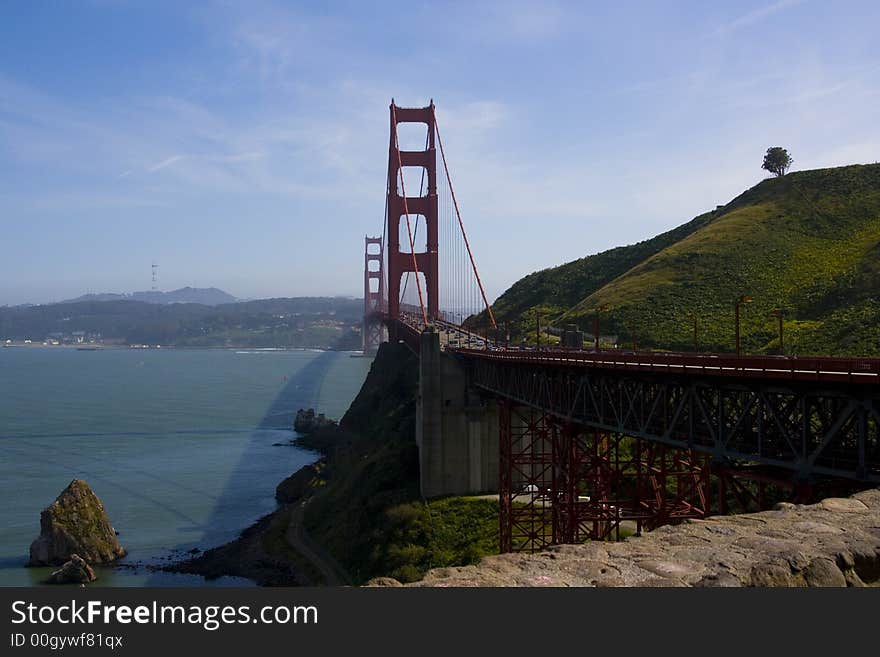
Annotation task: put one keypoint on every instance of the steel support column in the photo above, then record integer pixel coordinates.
(527, 479)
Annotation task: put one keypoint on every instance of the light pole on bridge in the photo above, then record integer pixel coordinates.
(599, 309)
(740, 300)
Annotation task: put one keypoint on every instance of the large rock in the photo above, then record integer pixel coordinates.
(383, 581)
(75, 571)
(75, 523)
(307, 421)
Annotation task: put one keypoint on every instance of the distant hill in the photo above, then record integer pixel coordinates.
(208, 296)
(282, 322)
(808, 242)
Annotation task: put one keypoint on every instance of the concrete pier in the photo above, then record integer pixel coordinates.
(456, 427)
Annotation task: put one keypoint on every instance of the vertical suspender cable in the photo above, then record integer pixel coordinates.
(383, 301)
(457, 214)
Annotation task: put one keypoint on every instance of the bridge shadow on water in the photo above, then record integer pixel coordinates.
(302, 390)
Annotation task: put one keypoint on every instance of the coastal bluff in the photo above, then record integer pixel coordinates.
(307, 421)
(833, 543)
(75, 524)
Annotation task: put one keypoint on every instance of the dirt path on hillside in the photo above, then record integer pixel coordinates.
(298, 538)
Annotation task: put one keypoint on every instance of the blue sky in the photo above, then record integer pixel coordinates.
(244, 144)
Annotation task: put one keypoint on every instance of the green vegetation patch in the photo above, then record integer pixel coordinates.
(415, 537)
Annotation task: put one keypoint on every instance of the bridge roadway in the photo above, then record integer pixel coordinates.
(848, 370)
(812, 416)
(858, 371)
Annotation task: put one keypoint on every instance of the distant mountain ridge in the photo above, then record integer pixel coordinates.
(207, 296)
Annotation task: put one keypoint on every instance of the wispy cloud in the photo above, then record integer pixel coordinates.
(755, 16)
(88, 200)
(530, 21)
(167, 162)
(508, 21)
(240, 157)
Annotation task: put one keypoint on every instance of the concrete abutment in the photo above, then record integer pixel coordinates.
(456, 427)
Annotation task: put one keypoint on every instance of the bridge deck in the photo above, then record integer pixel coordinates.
(865, 371)
(814, 416)
(859, 371)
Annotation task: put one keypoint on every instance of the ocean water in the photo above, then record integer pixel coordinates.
(180, 445)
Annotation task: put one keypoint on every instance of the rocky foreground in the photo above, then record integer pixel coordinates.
(833, 543)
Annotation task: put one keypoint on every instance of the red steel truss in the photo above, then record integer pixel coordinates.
(527, 479)
(561, 483)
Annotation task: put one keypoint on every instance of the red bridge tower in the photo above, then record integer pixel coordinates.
(374, 294)
(403, 207)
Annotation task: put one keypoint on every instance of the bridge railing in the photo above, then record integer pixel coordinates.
(407, 331)
(848, 370)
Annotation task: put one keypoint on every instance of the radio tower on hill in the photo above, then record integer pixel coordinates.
(155, 275)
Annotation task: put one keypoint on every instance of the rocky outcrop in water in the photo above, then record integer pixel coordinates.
(307, 421)
(833, 543)
(75, 524)
(75, 571)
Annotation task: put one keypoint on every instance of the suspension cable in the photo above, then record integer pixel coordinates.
(458, 214)
(383, 300)
(412, 247)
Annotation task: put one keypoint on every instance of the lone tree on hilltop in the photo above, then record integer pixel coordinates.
(777, 160)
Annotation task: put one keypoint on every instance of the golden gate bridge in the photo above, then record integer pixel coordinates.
(588, 439)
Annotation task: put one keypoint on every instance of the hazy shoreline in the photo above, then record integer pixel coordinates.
(125, 347)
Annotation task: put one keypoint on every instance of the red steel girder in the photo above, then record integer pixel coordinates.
(562, 483)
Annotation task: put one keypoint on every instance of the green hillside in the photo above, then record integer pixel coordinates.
(559, 288)
(808, 242)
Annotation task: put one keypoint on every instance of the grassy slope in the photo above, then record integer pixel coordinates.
(807, 242)
(369, 514)
(552, 291)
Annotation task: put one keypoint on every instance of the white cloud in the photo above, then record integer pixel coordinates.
(519, 21)
(167, 162)
(755, 16)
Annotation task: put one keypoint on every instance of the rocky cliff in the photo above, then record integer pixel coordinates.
(306, 421)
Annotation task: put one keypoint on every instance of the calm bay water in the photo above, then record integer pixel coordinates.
(178, 444)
